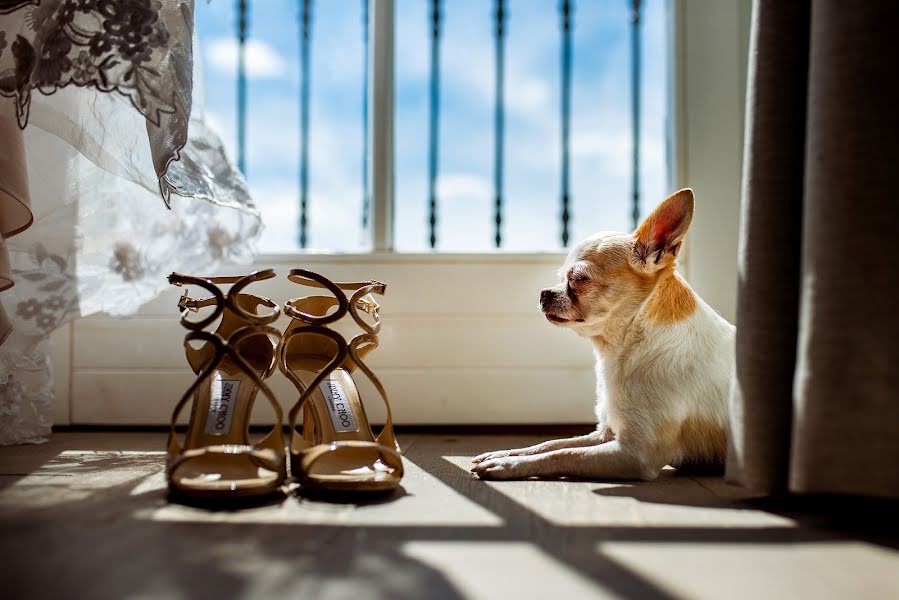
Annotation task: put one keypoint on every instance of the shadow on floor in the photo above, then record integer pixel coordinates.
(94, 530)
(662, 491)
(829, 516)
(352, 498)
(104, 541)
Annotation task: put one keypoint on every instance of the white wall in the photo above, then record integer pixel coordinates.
(711, 47)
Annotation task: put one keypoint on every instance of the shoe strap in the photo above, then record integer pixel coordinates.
(228, 349)
(268, 458)
(386, 436)
(306, 391)
(220, 300)
(369, 341)
(313, 309)
(390, 455)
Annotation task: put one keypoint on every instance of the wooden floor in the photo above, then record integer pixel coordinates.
(86, 516)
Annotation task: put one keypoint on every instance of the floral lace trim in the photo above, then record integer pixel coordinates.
(111, 45)
(8, 6)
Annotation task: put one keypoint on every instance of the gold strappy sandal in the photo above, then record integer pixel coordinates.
(217, 458)
(338, 450)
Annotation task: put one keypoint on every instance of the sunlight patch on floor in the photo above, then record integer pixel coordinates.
(670, 501)
(492, 570)
(79, 475)
(762, 569)
(423, 501)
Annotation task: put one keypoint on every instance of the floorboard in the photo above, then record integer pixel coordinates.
(87, 515)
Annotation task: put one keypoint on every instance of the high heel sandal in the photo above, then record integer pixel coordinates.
(217, 458)
(338, 450)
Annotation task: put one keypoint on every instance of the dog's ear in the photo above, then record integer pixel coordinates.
(659, 236)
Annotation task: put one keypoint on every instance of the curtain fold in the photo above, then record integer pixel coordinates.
(815, 406)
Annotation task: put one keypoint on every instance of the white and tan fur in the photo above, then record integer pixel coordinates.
(664, 359)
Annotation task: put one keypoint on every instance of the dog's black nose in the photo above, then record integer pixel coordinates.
(545, 295)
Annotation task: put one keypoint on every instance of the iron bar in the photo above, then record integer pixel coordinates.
(305, 30)
(242, 18)
(366, 193)
(635, 110)
(433, 123)
(499, 122)
(567, 10)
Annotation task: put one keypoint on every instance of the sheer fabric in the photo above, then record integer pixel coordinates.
(99, 93)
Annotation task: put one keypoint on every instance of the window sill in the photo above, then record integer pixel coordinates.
(393, 258)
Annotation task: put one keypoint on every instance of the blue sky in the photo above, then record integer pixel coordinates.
(600, 130)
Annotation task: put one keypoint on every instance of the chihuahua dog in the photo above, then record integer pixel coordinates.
(664, 359)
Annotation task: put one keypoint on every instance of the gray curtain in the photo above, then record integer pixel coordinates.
(815, 407)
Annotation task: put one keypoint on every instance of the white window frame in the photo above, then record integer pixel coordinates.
(462, 342)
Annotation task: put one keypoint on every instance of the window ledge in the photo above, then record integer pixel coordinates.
(438, 258)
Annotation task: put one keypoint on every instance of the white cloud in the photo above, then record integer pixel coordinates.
(614, 150)
(532, 96)
(263, 61)
(462, 186)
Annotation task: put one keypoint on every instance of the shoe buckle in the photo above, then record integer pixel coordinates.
(185, 303)
(367, 304)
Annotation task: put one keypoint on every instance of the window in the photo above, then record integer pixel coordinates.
(451, 77)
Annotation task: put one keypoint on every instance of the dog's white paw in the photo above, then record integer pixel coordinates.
(492, 455)
(500, 467)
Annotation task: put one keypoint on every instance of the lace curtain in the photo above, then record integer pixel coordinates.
(97, 122)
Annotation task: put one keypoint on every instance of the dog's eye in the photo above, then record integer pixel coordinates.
(578, 279)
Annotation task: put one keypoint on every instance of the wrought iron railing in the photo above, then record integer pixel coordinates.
(305, 39)
(565, 115)
(366, 192)
(499, 121)
(501, 16)
(434, 123)
(242, 14)
(635, 111)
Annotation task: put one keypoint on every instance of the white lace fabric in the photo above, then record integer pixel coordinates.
(102, 90)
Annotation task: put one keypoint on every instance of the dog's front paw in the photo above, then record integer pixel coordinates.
(492, 455)
(500, 467)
